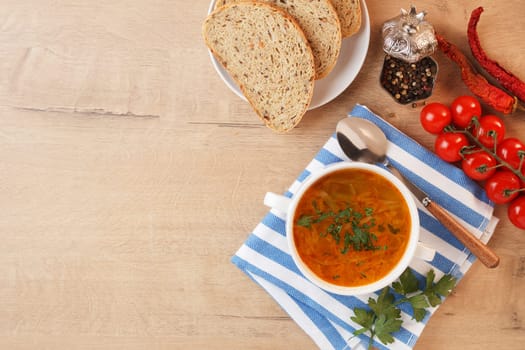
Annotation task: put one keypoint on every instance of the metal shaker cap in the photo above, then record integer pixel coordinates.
(409, 36)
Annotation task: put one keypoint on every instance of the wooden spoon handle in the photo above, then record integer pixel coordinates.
(480, 250)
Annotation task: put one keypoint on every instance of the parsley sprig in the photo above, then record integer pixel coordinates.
(383, 318)
(358, 237)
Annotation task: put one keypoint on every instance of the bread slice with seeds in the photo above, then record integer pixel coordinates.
(265, 51)
(349, 12)
(320, 23)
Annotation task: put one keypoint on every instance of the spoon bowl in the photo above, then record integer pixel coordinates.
(361, 140)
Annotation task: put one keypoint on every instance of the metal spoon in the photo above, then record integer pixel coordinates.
(362, 140)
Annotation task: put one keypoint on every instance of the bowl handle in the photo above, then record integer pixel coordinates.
(277, 202)
(424, 252)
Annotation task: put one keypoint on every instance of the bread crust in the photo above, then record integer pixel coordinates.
(279, 103)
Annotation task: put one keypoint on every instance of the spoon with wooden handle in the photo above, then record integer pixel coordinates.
(362, 140)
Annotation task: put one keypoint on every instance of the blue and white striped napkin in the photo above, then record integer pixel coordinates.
(325, 317)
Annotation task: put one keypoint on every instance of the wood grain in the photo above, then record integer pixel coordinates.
(130, 174)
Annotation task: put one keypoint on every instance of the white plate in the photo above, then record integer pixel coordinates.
(351, 59)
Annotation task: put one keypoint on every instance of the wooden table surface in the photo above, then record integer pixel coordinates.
(130, 174)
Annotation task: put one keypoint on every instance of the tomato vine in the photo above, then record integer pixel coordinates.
(486, 155)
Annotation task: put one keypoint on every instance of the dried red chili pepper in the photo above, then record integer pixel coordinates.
(490, 94)
(508, 80)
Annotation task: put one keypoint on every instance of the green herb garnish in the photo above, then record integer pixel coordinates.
(305, 221)
(358, 237)
(393, 229)
(384, 316)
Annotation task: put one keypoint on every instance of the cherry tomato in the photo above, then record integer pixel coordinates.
(463, 109)
(434, 117)
(516, 212)
(502, 187)
(490, 130)
(448, 145)
(479, 165)
(511, 150)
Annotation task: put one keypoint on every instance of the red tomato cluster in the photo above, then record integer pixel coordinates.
(477, 142)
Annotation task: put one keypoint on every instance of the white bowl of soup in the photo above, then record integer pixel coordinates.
(352, 228)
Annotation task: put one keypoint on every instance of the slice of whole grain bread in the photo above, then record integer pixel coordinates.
(265, 51)
(349, 12)
(320, 23)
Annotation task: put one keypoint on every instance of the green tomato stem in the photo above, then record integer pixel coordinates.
(501, 162)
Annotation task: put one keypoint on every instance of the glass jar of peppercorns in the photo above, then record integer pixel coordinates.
(409, 73)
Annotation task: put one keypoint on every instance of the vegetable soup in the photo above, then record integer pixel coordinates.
(351, 227)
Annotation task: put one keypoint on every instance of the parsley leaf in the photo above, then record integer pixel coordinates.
(419, 304)
(419, 314)
(430, 279)
(383, 303)
(418, 301)
(441, 288)
(407, 283)
(385, 326)
(433, 299)
(383, 318)
(363, 318)
(445, 285)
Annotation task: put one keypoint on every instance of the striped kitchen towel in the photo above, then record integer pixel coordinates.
(325, 317)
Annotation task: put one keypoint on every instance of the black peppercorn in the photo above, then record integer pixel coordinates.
(408, 82)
